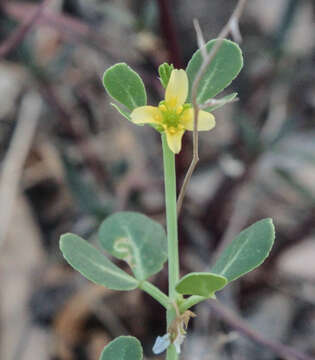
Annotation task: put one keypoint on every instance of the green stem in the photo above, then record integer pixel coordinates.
(171, 217)
(156, 293)
(172, 234)
(191, 301)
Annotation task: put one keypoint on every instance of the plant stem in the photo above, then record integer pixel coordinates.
(172, 234)
(191, 301)
(156, 293)
(171, 217)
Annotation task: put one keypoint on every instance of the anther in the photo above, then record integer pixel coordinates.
(172, 130)
(162, 107)
(179, 110)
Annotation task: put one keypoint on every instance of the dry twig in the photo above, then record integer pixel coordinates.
(14, 160)
(19, 34)
(238, 324)
(68, 26)
(200, 39)
(228, 28)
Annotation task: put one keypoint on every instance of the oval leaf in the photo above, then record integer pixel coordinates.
(247, 251)
(93, 265)
(136, 239)
(125, 85)
(200, 283)
(225, 66)
(123, 348)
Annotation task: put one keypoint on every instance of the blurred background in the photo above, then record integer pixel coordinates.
(68, 160)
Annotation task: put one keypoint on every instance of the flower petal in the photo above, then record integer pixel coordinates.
(177, 89)
(174, 141)
(206, 120)
(146, 115)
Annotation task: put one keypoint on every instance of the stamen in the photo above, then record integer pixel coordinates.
(172, 130)
(162, 107)
(179, 110)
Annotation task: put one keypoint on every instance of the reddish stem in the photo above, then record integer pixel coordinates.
(169, 33)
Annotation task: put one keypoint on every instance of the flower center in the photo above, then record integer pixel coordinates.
(171, 117)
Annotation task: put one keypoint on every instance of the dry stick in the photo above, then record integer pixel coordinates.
(200, 39)
(238, 324)
(19, 34)
(15, 157)
(63, 23)
(223, 34)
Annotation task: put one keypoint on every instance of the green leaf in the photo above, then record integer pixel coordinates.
(123, 348)
(225, 66)
(165, 71)
(93, 265)
(247, 251)
(221, 102)
(136, 239)
(125, 85)
(201, 283)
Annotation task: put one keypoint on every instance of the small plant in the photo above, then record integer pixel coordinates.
(142, 242)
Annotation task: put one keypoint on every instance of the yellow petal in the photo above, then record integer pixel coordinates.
(174, 141)
(146, 115)
(177, 89)
(206, 120)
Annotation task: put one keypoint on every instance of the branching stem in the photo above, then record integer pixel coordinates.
(228, 28)
(156, 293)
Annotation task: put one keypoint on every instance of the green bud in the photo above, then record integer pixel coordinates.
(165, 71)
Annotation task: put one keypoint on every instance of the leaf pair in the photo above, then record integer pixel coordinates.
(246, 252)
(128, 236)
(125, 86)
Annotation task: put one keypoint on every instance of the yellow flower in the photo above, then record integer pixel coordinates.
(173, 116)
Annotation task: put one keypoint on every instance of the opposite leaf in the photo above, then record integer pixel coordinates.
(93, 265)
(247, 251)
(125, 85)
(136, 239)
(123, 348)
(225, 66)
(200, 283)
